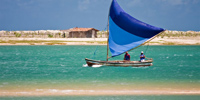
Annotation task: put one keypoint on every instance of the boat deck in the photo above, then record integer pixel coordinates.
(122, 63)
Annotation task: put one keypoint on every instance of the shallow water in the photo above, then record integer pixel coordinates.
(151, 97)
(60, 70)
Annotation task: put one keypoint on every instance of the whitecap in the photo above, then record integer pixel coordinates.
(141, 67)
(85, 65)
(96, 66)
(62, 65)
(190, 55)
(62, 58)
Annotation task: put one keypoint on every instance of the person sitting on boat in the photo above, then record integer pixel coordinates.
(127, 57)
(142, 56)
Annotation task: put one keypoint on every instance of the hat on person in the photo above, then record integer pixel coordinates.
(142, 52)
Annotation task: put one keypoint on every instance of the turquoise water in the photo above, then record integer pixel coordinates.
(59, 69)
(169, 97)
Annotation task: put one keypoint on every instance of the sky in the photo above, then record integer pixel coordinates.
(180, 15)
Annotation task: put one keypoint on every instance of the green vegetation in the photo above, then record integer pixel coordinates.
(102, 34)
(59, 34)
(169, 34)
(17, 34)
(29, 41)
(102, 42)
(52, 42)
(64, 35)
(169, 43)
(50, 35)
(154, 42)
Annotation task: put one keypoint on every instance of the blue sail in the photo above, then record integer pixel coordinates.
(126, 32)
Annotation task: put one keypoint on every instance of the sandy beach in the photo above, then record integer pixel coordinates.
(55, 92)
(53, 41)
(94, 41)
(176, 41)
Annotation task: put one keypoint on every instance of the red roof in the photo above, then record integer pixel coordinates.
(81, 29)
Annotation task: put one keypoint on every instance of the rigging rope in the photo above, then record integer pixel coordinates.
(95, 52)
(146, 48)
(105, 29)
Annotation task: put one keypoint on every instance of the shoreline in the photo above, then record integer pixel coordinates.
(85, 90)
(93, 41)
(55, 92)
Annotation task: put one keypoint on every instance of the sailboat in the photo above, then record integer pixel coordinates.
(125, 33)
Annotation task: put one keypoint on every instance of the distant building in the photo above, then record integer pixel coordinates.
(81, 32)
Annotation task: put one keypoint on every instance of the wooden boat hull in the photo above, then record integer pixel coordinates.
(91, 62)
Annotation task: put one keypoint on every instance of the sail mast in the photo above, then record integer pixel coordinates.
(108, 38)
(107, 43)
(108, 32)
